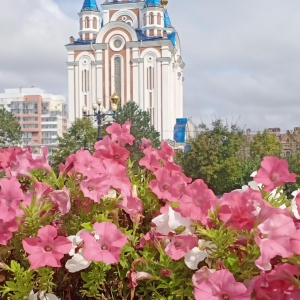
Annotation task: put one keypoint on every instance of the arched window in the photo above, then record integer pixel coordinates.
(118, 78)
(159, 19)
(87, 22)
(151, 18)
(95, 23)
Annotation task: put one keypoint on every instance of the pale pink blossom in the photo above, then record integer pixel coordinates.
(40, 191)
(273, 173)
(277, 284)
(95, 188)
(150, 160)
(180, 245)
(121, 133)
(134, 277)
(113, 152)
(273, 238)
(84, 163)
(239, 210)
(47, 249)
(196, 201)
(131, 205)
(6, 230)
(11, 196)
(27, 161)
(107, 246)
(166, 152)
(145, 143)
(8, 158)
(220, 285)
(61, 199)
(165, 186)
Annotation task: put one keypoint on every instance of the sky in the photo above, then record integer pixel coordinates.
(242, 56)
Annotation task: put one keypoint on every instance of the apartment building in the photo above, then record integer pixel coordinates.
(42, 116)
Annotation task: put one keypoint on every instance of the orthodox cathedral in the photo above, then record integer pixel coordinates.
(128, 48)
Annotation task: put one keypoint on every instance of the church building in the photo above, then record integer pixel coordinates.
(128, 47)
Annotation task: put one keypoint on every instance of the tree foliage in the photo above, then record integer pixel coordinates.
(10, 129)
(140, 127)
(216, 156)
(265, 144)
(82, 133)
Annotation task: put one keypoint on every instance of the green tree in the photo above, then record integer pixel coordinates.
(81, 134)
(10, 129)
(216, 156)
(264, 144)
(140, 127)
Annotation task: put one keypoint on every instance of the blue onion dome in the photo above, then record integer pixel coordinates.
(149, 3)
(89, 5)
(167, 19)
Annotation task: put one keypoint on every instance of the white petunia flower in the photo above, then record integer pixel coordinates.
(170, 221)
(294, 205)
(193, 257)
(198, 254)
(42, 296)
(77, 262)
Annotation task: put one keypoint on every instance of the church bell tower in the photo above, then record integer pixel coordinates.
(129, 47)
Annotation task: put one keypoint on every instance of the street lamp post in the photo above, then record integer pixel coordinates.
(101, 113)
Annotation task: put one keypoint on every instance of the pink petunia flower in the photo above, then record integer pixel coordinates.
(277, 284)
(95, 188)
(11, 196)
(273, 173)
(114, 152)
(61, 199)
(121, 133)
(6, 230)
(8, 157)
(108, 244)
(165, 186)
(180, 245)
(220, 285)
(196, 201)
(27, 161)
(151, 159)
(131, 205)
(47, 249)
(145, 143)
(274, 238)
(240, 210)
(166, 152)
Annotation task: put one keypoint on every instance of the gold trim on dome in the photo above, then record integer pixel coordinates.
(164, 3)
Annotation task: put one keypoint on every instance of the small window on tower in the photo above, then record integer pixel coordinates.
(95, 23)
(87, 22)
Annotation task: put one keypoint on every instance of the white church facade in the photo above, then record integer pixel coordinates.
(131, 48)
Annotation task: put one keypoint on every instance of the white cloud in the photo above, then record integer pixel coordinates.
(242, 60)
(32, 52)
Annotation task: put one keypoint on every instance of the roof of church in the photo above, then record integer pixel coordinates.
(152, 3)
(90, 5)
(167, 19)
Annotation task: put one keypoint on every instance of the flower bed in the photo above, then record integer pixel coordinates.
(103, 229)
